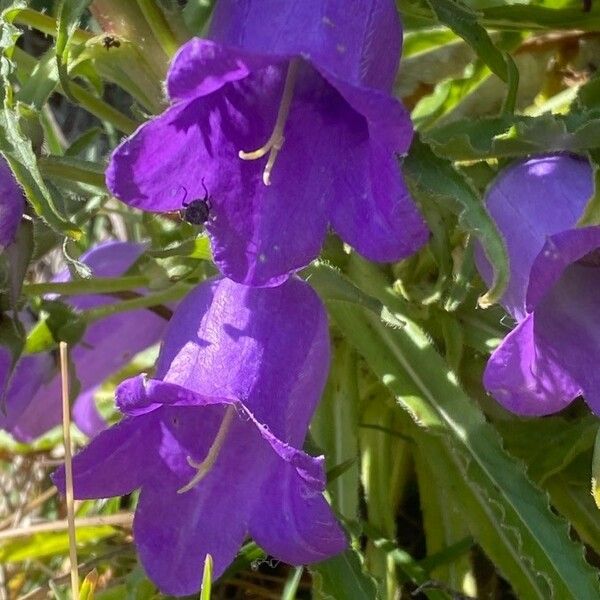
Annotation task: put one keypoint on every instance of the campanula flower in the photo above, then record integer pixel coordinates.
(213, 440)
(286, 115)
(551, 356)
(12, 205)
(33, 396)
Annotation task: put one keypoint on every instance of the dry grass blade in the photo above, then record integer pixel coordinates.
(66, 415)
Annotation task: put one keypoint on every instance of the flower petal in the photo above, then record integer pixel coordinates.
(174, 532)
(361, 45)
(559, 251)
(525, 375)
(117, 461)
(107, 345)
(373, 211)
(268, 347)
(201, 67)
(86, 414)
(260, 233)
(12, 205)
(139, 395)
(530, 201)
(565, 321)
(29, 376)
(293, 522)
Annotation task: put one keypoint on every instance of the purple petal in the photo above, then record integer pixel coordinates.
(293, 522)
(12, 205)
(361, 46)
(107, 345)
(531, 201)
(566, 323)
(230, 340)
(260, 233)
(201, 67)
(30, 375)
(373, 210)
(140, 395)
(107, 259)
(117, 461)
(174, 531)
(560, 251)
(86, 414)
(526, 376)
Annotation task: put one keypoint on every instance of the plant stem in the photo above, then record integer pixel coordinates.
(172, 294)
(160, 26)
(94, 105)
(103, 285)
(43, 23)
(51, 166)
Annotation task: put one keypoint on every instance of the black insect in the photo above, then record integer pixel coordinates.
(110, 42)
(197, 211)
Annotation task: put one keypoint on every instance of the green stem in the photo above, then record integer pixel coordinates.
(172, 294)
(104, 285)
(53, 167)
(160, 26)
(94, 105)
(43, 23)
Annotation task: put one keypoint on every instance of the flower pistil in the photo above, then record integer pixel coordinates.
(203, 467)
(275, 142)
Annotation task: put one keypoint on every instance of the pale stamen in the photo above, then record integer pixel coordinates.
(204, 467)
(274, 144)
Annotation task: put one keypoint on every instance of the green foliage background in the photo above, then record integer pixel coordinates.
(443, 493)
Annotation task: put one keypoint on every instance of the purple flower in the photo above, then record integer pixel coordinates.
(212, 441)
(551, 356)
(286, 115)
(12, 205)
(33, 404)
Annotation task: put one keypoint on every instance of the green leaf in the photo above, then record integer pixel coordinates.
(292, 584)
(463, 21)
(38, 87)
(207, 577)
(69, 13)
(507, 136)
(17, 150)
(88, 586)
(342, 577)
(49, 544)
(432, 176)
(339, 443)
(536, 18)
(19, 254)
(421, 42)
(544, 561)
(596, 470)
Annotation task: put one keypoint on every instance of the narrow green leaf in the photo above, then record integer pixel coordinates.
(430, 175)
(406, 361)
(342, 577)
(16, 148)
(207, 577)
(507, 136)
(37, 88)
(339, 443)
(88, 586)
(69, 13)
(292, 584)
(464, 22)
(49, 544)
(596, 470)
